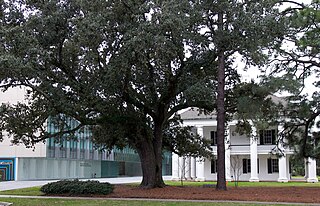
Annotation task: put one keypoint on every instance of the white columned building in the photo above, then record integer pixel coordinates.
(227, 154)
(182, 168)
(200, 161)
(283, 169)
(254, 156)
(193, 168)
(311, 166)
(175, 166)
(188, 168)
(282, 160)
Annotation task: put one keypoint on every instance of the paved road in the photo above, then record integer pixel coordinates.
(11, 185)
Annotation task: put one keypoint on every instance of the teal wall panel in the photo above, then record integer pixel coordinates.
(109, 169)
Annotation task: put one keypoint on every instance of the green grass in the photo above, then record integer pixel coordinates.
(35, 191)
(30, 191)
(63, 202)
(248, 184)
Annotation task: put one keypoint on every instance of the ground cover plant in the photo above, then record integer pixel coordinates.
(76, 187)
(247, 184)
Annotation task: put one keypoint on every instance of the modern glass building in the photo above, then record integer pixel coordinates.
(75, 157)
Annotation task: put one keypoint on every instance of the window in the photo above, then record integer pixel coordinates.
(268, 137)
(213, 135)
(246, 166)
(51, 147)
(51, 143)
(273, 166)
(63, 149)
(73, 149)
(214, 166)
(82, 150)
(91, 151)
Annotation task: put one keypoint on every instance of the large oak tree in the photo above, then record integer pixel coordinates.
(121, 68)
(124, 68)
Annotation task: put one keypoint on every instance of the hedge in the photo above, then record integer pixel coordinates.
(76, 187)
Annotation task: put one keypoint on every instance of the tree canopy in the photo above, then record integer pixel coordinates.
(125, 68)
(122, 68)
(293, 68)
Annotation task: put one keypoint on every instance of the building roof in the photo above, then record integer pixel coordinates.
(194, 113)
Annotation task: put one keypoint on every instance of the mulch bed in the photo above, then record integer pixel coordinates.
(265, 194)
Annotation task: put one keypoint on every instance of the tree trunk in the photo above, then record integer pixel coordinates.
(221, 176)
(150, 152)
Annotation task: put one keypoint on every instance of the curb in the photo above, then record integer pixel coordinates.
(5, 203)
(162, 200)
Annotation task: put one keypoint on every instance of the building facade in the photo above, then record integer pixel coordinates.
(78, 158)
(247, 158)
(73, 158)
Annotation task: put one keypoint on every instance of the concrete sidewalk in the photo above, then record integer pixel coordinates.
(11, 185)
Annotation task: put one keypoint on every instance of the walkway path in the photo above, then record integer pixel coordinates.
(11, 185)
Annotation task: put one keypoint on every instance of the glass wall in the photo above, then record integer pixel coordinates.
(118, 162)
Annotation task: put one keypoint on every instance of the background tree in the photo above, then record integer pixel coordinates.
(122, 68)
(249, 29)
(236, 167)
(297, 65)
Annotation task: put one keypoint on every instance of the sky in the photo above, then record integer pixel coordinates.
(254, 73)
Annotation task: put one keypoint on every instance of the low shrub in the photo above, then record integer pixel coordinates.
(76, 187)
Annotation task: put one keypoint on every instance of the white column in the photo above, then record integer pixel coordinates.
(254, 156)
(181, 168)
(312, 170)
(282, 160)
(283, 169)
(306, 168)
(16, 168)
(188, 168)
(175, 167)
(193, 168)
(200, 161)
(227, 154)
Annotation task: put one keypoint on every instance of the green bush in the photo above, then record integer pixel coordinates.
(76, 187)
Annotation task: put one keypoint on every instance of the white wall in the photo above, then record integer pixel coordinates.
(237, 139)
(7, 149)
(263, 173)
(263, 169)
(207, 171)
(207, 130)
(47, 168)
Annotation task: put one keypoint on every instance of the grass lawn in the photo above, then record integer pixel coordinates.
(30, 191)
(48, 202)
(35, 191)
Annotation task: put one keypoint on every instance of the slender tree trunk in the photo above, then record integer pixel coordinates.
(221, 176)
(150, 152)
